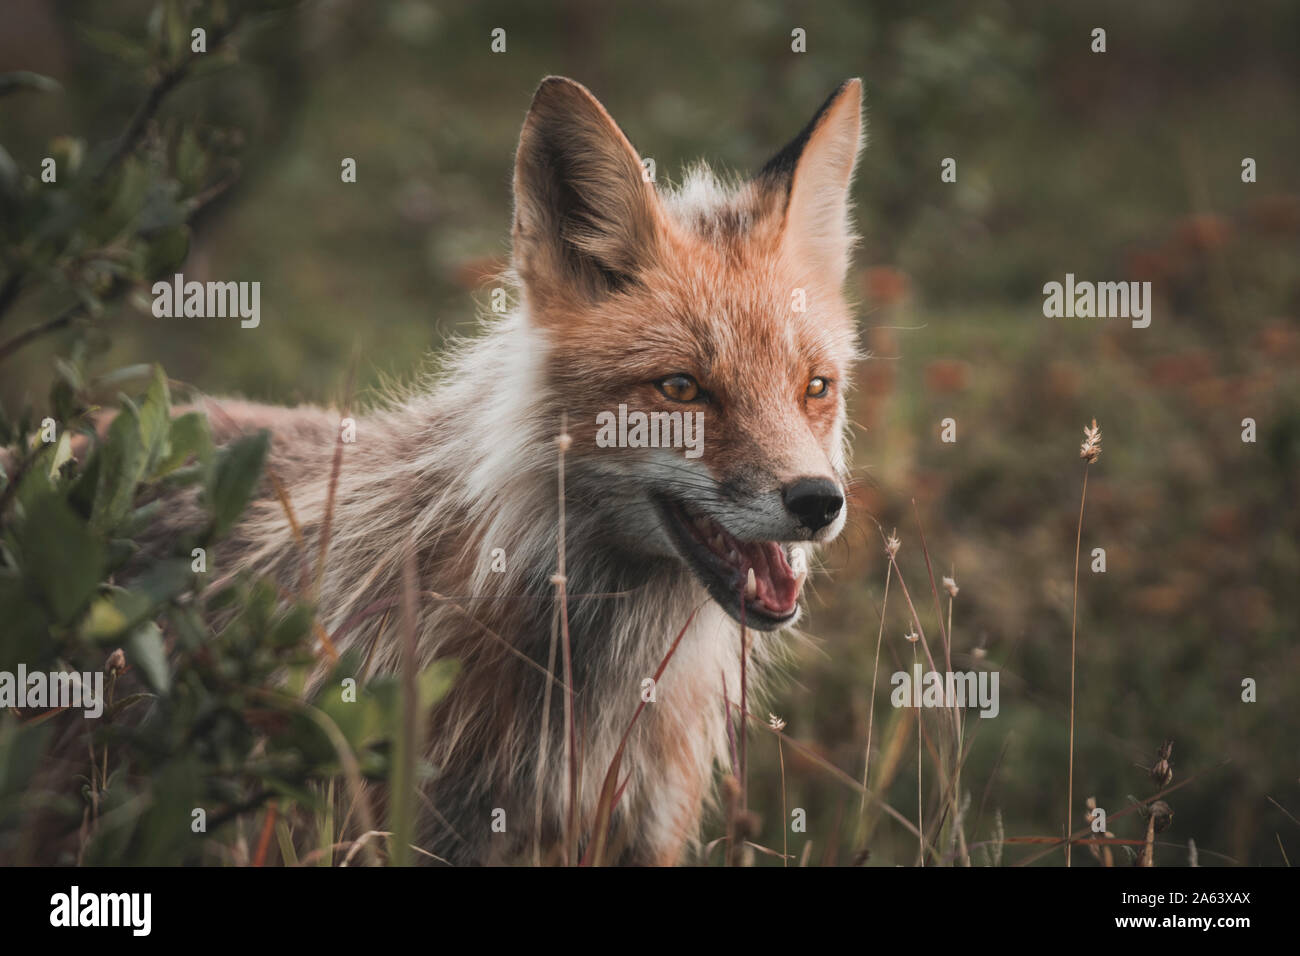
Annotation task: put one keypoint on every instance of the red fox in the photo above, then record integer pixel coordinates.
(717, 305)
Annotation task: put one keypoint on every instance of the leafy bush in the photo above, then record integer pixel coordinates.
(217, 702)
(219, 719)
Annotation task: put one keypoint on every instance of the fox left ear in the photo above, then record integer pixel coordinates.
(810, 180)
(587, 220)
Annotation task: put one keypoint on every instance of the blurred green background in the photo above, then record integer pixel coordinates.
(1117, 166)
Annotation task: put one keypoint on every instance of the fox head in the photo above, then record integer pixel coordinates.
(698, 340)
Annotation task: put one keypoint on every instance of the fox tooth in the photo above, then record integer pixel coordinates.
(798, 582)
(717, 542)
(751, 585)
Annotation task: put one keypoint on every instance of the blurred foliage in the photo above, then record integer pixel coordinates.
(211, 705)
(221, 718)
(1124, 165)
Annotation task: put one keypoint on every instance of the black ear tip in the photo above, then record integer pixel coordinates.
(780, 167)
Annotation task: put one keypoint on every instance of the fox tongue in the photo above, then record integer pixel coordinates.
(776, 589)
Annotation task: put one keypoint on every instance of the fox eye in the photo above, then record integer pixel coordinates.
(680, 388)
(818, 387)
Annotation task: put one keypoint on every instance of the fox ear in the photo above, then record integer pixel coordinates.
(810, 180)
(585, 216)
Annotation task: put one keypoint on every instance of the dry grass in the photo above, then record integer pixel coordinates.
(1089, 451)
(942, 841)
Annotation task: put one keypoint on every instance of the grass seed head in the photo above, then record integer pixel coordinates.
(1090, 450)
(1162, 814)
(1162, 771)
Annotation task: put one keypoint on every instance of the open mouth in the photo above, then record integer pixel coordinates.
(755, 572)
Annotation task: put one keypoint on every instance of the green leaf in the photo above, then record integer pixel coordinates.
(36, 483)
(189, 437)
(69, 372)
(125, 609)
(132, 186)
(68, 152)
(167, 250)
(175, 35)
(293, 628)
(136, 440)
(435, 680)
(116, 45)
(188, 626)
(164, 580)
(20, 80)
(143, 518)
(62, 453)
(104, 620)
(85, 487)
(26, 626)
(155, 420)
(144, 650)
(62, 559)
(120, 551)
(122, 461)
(22, 749)
(127, 373)
(235, 479)
(191, 162)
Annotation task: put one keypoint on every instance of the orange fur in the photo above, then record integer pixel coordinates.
(623, 284)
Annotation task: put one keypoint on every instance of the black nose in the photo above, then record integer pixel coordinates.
(814, 501)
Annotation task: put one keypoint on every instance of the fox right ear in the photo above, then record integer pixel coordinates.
(586, 219)
(810, 179)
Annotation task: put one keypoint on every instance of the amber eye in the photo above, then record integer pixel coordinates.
(680, 388)
(818, 387)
